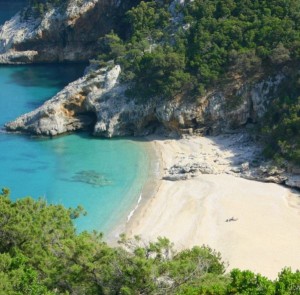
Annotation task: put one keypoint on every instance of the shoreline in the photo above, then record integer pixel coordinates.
(149, 189)
(254, 225)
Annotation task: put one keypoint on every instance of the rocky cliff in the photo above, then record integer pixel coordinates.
(69, 32)
(98, 101)
(60, 34)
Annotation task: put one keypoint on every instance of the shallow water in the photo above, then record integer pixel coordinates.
(104, 176)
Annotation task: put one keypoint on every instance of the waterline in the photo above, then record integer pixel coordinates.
(105, 176)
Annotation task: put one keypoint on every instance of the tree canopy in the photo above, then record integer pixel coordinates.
(207, 39)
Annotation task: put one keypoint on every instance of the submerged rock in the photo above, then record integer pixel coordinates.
(98, 101)
(91, 177)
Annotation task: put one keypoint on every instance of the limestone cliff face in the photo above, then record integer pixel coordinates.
(62, 34)
(98, 101)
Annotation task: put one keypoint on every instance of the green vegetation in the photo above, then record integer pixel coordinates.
(208, 45)
(214, 39)
(282, 130)
(281, 125)
(41, 253)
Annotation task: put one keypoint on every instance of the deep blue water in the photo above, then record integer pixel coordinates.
(104, 176)
(9, 7)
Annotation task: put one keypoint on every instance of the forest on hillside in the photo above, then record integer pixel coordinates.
(169, 50)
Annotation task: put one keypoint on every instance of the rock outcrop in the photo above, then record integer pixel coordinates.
(71, 109)
(236, 154)
(70, 32)
(98, 101)
(61, 34)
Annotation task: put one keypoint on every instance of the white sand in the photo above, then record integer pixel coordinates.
(264, 239)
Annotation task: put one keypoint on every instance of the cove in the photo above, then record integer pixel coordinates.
(106, 177)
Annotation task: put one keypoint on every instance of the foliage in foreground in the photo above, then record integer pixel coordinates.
(41, 253)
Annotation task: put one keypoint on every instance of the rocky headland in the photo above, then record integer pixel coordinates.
(66, 33)
(100, 96)
(99, 101)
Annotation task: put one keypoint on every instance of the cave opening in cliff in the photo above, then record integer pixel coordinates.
(208, 132)
(87, 120)
(152, 126)
(249, 121)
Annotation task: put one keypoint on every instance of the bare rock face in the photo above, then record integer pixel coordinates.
(62, 34)
(98, 101)
(69, 33)
(248, 103)
(71, 109)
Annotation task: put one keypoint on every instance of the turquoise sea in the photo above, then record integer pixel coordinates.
(104, 176)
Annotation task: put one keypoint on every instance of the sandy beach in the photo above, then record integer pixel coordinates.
(254, 225)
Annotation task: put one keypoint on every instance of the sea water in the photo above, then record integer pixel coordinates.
(105, 176)
(8, 8)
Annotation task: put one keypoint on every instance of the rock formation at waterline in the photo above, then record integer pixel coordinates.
(98, 101)
(60, 34)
